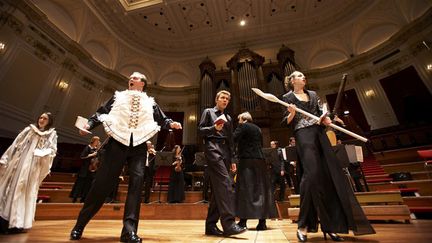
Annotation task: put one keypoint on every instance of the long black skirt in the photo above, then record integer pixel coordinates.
(325, 193)
(254, 195)
(176, 186)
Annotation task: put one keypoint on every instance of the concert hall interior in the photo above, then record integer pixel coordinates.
(370, 62)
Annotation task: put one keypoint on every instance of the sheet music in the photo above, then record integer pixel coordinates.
(221, 119)
(359, 153)
(80, 124)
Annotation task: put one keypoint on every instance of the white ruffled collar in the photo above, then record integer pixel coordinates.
(41, 133)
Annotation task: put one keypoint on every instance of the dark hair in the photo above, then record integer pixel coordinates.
(145, 82)
(50, 120)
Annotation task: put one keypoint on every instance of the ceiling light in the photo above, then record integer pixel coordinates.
(429, 67)
(192, 118)
(2, 47)
(63, 85)
(242, 22)
(370, 93)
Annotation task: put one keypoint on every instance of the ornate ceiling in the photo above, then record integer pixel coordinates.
(167, 39)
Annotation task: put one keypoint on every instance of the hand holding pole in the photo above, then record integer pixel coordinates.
(273, 98)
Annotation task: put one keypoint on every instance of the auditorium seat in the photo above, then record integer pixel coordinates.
(427, 156)
(161, 178)
(50, 187)
(43, 198)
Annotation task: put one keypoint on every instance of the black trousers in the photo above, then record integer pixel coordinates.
(113, 158)
(148, 182)
(206, 184)
(277, 179)
(221, 204)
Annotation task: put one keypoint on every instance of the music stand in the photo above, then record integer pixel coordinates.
(270, 155)
(201, 162)
(200, 159)
(342, 155)
(347, 154)
(291, 153)
(163, 162)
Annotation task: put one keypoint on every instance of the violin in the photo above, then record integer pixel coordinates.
(178, 163)
(94, 163)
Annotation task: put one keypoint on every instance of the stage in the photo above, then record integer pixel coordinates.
(417, 231)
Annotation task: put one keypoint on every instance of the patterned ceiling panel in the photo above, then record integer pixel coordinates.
(196, 28)
(195, 15)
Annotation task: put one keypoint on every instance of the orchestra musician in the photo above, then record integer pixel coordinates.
(176, 184)
(149, 171)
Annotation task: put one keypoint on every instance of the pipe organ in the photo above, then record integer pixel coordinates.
(275, 85)
(247, 79)
(246, 70)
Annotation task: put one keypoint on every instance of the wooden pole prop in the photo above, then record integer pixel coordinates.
(273, 98)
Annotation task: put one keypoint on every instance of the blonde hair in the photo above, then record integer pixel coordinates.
(222, 92)
(245, 116)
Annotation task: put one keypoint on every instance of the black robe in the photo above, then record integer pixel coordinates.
(254, 194)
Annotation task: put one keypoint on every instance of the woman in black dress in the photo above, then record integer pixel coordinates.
(254, 194)
(176, 185)
(86, 174)
(324, 190)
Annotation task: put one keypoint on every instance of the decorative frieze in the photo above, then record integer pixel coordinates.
(68, 64)
(12, 22)
(364, 74)
(393, 66)
(88, 83)
(419, 47)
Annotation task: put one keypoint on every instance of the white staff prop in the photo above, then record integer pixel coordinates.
(273, 98)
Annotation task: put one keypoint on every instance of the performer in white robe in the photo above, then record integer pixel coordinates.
(22, 168)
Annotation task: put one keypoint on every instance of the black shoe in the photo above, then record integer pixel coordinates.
(76, 233)
(234, 230)
(4, 226)
(333, 236)
(261, 226)
(242, 223)
(213, 230)
(15, 231)
(301, 237)
(130, 237)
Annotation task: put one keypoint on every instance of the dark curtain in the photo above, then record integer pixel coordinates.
(408, 96)
(167, 138)
(355, 120)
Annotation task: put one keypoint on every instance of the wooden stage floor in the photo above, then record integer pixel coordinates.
(418, 231)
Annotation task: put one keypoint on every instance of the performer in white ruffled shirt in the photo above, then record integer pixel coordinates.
(23, 167)
(130, 118)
